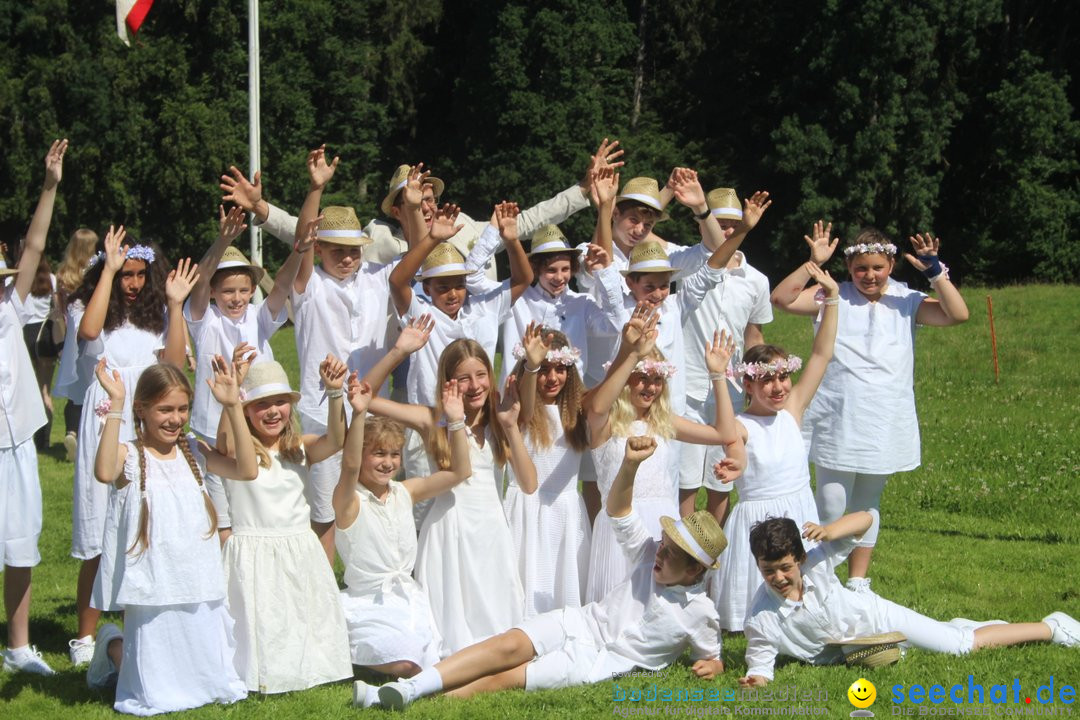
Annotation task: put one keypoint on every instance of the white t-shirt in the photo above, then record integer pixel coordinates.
(37, 307)
(22, 411)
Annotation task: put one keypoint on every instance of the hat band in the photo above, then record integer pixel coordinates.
(549, 246)
(727, 211)
(455, 267)
(226, 264)
(663, 265)
(698, 552)
(341, 233)
(267, 390)
(643, 199)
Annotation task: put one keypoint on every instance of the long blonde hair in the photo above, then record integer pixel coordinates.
(575, 429)
(438, 443)
(80, 249)
(657, 417)
(156, 382)
(290, 443)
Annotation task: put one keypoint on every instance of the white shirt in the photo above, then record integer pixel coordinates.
(648, 624)
(741, 298)
(37, 307)
(22, 411)
(828, 612)
(216, 334)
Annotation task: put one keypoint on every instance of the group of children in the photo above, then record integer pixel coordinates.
(472, 560)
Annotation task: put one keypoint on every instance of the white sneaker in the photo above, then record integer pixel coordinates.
(71, 444)
(80, 651)
(102, 671)
(1064, 629)
(26, 659)
(364, 695)
(396, 695)
(859, 585)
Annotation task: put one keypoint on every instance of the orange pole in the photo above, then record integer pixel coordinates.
(993, 337)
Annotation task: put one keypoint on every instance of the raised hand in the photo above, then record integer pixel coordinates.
(415, 334)
(359, 397)
(443, 226)
(112, 384)
(536, 344)
(506, 214)
(54, 163)
(925, 247)
(318, 170)
(333, 372)
(242, 357)
(640, 331)
(753, 208)
(686, 187)
(239, 191)
(719, 351)
(453, 403)
(823, 278)
(224, 386)
(231, 224)
(412, 195)
(607, 156)
(821, 249)
(727, 470)
(603, 185)
(813, 531)
(639, 448)
(115, 250)
(596, 258)
(311, 234)
(509, 407)
(181, 280)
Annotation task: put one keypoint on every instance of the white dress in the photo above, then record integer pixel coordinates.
(290, 630)
(776, 483)
(465, 559)
(387, 613)
(551, 527)
(178, 636)
(128, 350)
(656, 493)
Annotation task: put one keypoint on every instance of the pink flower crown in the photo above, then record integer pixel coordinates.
(659, 368)
(760, 369)
(568, 355)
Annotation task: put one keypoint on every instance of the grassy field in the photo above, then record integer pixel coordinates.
(986, 528)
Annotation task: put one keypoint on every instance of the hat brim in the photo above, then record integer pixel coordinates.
(294, 397)
(259, 272)
(437, 187)
(566, 250)
(668, 526)
(655, 208)
(8, 272)
(866, 640)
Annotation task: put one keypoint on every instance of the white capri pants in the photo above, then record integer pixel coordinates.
(923, 632)
(841, 491)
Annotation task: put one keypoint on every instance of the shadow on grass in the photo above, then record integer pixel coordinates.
(1048, 537)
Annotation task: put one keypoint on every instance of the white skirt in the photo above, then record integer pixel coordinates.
(177, 657)
(734, 585)
(290, 629)
(391, 625)
(608, 566)
(551, 541)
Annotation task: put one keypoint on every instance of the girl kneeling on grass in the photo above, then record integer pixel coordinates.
(161, 558)
(829, 614)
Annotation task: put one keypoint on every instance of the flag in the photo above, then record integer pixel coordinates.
(129, 16)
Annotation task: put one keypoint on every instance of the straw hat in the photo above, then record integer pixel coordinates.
(266, 379)
(644, 191)
(233, 258)
(397, 182)
(549, 239)
(340, 226)
(872, 651)
(649, 257)
(724, 203)
(699, 535)
(8, 271)
(443, 261)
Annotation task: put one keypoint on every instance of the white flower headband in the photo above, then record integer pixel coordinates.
(568, 355)
(760, 369)
(660, 368)
(138, 252)
(866, 248)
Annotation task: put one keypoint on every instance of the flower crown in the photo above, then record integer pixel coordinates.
(568, 355)
(138, 252)
(660, 368)
(761, 369)
(867, 248)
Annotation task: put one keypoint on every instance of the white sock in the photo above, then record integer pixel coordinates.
(372, 696)
(18, 653)
(86, 640)
(427, 682)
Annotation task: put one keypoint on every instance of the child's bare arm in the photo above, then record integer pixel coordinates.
(230, 225)
(851, 525)
(285, 280)
(521, 272)
(423, 488)
(621, 496)
(178, 286)
(791, 293)
(507, 416)
(109, 461)
(318, 448)
(346, 504)
(320, 173)
(34, 246)
(825, 339)
(638, 339)
(949, 307)
(244, 465)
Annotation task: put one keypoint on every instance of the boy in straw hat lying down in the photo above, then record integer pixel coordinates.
(804, 611)
(647, 621)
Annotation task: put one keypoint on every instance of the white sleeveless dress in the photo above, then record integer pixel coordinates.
(551, 527)
(776, 483)
(290, 629)
(465, 559)
(656, 493)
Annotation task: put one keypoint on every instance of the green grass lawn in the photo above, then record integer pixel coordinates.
(986, 528)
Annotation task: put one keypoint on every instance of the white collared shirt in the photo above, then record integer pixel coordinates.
(22, 410)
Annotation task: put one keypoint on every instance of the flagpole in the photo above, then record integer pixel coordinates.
(254, 127)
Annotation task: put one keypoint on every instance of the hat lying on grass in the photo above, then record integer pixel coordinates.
(872, 651)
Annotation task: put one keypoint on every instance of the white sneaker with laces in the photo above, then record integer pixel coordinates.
(1064, 629)
(26, 659)
(396, 695)
(81, 650)
(102, 671)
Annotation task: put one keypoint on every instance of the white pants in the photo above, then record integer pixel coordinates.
(20, 505)
(840, 492)
(923, 632)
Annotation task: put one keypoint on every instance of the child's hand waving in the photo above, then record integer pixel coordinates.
(181, 280)
(359, 397)
(115, 250)
(509, 403)
(112, 384)
(718, 353)
(444, 226)
(821, 248)
(242, 357)
(231, 224)
(333, 373)
(453, 404)
(415, 334)
(319, 170)
(823, 278)
(224, 386)
(536, 346)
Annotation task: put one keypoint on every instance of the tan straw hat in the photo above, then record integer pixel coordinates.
(699, 535)
(443, 261)
(266, 379)
(397, 182)
(233, 258)
(8, 271)
(872, 651)
(724, 203)
(649, 257)
(549, 239)
(340, 226)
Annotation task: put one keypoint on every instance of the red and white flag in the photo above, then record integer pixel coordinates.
(129, 17)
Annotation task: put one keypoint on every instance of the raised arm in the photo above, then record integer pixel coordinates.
(638, 340)
(507, 416)
(603, 188)
(230, 226)
(242, 464)
(852, 525)
(791, 293)
(423, 488)
(319, 173)
(93, 319)
(535, 347)
(753, 208)
(726, 429)
(34, 247)
(686, 188)
(803, 391)
(320, 447)
(443, 227)
(620, 498)
(521, 272)
(412, 337)
(181, 280)
(346, 504)
(285, 280)
(239, 190)
(109, 461)
(949, 308)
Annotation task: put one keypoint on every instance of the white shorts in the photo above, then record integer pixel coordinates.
(322, 477)
(215, 489)
(20, 505)
(566, 655)
(696, 461)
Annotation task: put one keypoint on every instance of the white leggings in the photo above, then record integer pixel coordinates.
(840, 491)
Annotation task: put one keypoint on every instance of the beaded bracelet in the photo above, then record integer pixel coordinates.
(114, 416)
(455, 425)
(831, 301)
(335, 394)
(713, 377)
(531, 371)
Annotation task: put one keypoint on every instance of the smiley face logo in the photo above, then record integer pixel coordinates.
(862, 693)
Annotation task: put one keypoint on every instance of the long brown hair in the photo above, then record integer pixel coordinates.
(42, 285)
(571, 414)
(438, 443)
(156, 382)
